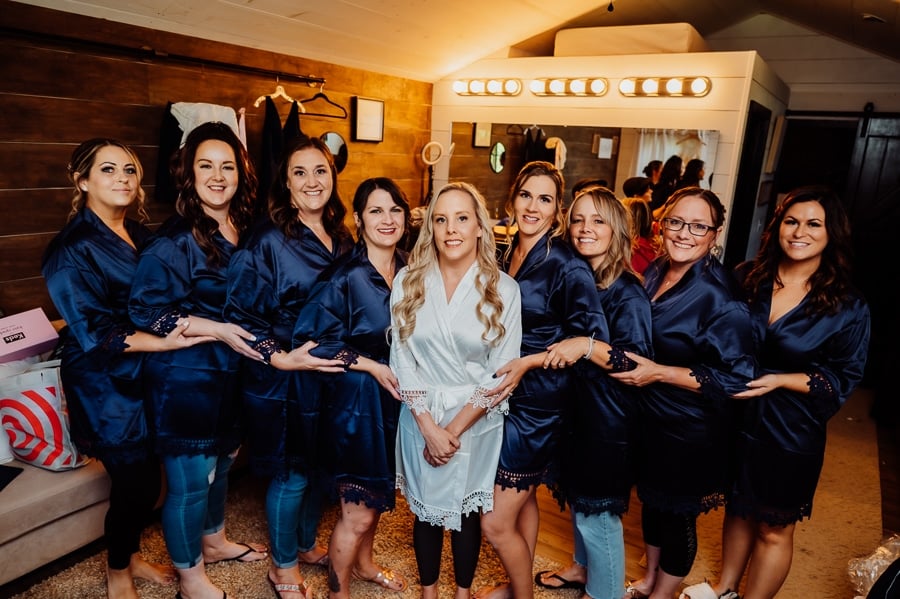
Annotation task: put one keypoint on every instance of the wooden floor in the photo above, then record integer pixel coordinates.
(555, 536)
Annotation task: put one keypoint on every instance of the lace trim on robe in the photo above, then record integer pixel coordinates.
(819, 386)
(664, 501)
(166, 323)
(520, 481)
(348, 357)
(357, 493)
(115, 341)
(592, 506)
(414, 399)
(267, 347)
(772, 516)
(619, 361)
(450, 520)
(703, 377)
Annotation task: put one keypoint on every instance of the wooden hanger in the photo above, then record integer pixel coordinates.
(321, 96)
(278, 93)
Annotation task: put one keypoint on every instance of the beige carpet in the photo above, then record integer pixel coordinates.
(846, 523)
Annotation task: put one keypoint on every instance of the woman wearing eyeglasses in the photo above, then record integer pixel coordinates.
(703, 345)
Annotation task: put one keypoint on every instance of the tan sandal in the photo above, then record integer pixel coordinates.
(387, 579)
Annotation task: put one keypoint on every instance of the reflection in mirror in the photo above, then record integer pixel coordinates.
(338, 148)
(498, 157)
(592, 152)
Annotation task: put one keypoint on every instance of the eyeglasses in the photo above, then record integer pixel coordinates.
(695, 229)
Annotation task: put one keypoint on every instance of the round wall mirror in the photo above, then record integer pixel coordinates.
(498, 156)
(338, 148)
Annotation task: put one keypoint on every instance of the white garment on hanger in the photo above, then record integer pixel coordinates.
(191, 114)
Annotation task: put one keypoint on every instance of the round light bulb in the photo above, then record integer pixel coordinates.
(650, 86)
(460, 87)
(476, 86)
(700, 86)
(627, 86)
(494, 86)
(538, 86)
(512, 86)
(598, 87)
(674, 86)
(577, 86)
(557, 86)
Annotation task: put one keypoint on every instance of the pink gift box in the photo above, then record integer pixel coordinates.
(26, 334)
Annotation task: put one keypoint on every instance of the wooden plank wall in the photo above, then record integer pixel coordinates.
(58, 89)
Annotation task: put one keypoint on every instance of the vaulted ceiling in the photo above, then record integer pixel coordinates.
(429, 39)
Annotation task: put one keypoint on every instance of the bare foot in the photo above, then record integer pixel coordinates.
(157, 573)
(288, 583)
(462, 593)
(317, 556)
(231, 551)
(120, 585)
(572, 576)
(500, 591)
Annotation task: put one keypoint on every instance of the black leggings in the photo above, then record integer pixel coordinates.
(465, 544)
(676, 537)
(134, 489)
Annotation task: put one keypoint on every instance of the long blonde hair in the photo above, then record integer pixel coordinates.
(618, 257)
(424, 255)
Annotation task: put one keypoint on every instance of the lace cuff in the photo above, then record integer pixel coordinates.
(115, 342)
(619, 361)
(819, 386)
(267, 347)
(166, 323)
(480, 399)
(414, 399)
(347, 356)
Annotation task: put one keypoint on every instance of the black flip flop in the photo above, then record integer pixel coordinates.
(566, 584)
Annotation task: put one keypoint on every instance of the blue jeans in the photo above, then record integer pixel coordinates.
(293, 509)
(600, 546)
(194, 505)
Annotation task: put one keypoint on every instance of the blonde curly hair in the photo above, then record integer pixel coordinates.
(424, 255)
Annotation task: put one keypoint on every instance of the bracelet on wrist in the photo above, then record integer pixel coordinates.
(590, 350)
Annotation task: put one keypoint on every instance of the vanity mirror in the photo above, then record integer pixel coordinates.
(338, 147)
(625, 152)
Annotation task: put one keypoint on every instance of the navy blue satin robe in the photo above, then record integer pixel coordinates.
(269, 282)
(193, 391)
(348, 314)
(605, 419)
(88, 270)
(699, 324)
(559, 300)
(781, 445)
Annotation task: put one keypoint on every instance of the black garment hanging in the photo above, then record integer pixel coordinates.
(292, 129)
(169, 142)
(272, 148)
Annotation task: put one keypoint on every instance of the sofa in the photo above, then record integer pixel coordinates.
(45, 515)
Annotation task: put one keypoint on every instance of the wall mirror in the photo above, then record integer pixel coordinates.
(338, 147)
(629, 151)
(498, 156)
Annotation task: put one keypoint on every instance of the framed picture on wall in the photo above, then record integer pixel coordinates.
(368, 119)
(481, 135)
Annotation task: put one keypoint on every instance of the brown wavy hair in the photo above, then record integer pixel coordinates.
(831, 284)
(424, 255)
(538, 168)
(286, 215)
(189, 204)
(82, 161)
